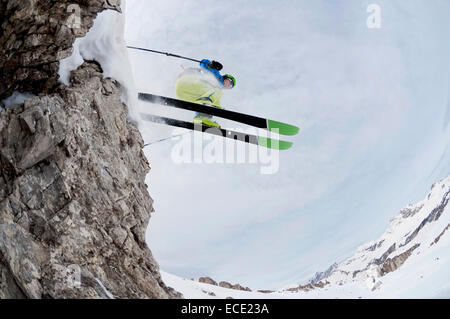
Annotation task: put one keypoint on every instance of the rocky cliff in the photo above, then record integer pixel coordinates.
(36, 34)
(74, 206)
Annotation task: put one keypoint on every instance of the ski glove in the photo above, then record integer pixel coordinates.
(215, 65)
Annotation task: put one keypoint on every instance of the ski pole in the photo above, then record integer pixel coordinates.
(165, 53)
(165, 139)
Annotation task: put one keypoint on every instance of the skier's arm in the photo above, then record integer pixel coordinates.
(211, 65)
(205, 63)
(216, 73)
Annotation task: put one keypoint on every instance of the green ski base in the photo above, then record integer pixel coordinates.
(274, 144)
(282, 128)
(259, 122)
(239, 136)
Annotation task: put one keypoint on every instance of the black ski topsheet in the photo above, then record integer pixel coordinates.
(259, 122)
(244, 137)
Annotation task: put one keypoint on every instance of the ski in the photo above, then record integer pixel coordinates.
(259, 122)
(247, 138)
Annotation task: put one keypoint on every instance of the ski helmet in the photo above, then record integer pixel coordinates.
(228, 76)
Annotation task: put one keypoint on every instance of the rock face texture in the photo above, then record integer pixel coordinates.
(223, 284)
(74, 206)
(207, 280)
(36, 34)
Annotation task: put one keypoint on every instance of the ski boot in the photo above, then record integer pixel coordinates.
(207, 121)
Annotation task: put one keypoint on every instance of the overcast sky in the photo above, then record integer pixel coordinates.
(373, 107)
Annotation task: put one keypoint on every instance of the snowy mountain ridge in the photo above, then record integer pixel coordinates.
(413, 231)
(410, 259)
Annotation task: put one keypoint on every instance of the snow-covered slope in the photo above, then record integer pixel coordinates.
(418, 232)
(410, 260)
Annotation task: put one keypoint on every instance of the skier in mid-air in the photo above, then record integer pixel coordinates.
(200, 90)
(204, 86)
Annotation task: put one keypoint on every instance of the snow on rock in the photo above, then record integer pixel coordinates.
(321, 275)
(200, 290)
(410, 260)
(105, 44)
(15, 98)
(105, 291)
(36, 35)
(197, 290)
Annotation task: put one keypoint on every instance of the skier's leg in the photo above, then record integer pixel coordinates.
(205, 119)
